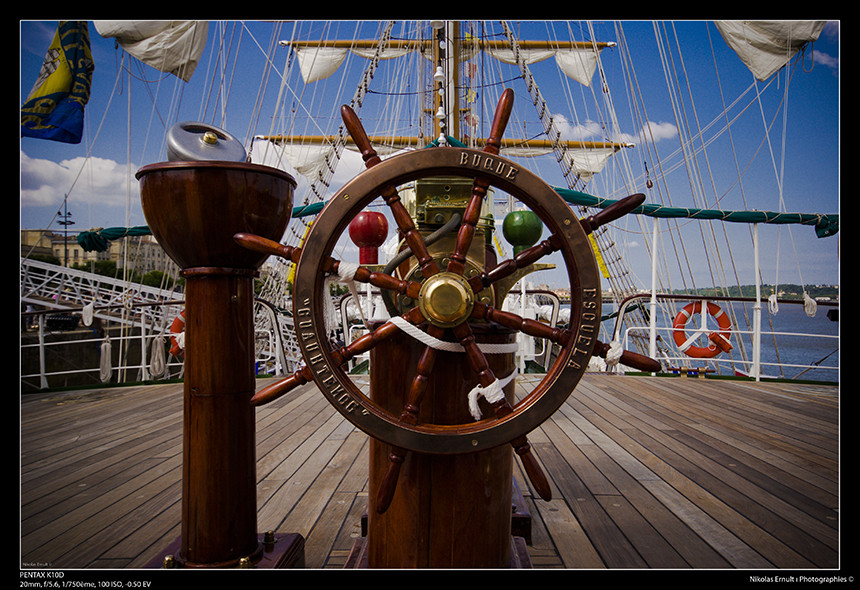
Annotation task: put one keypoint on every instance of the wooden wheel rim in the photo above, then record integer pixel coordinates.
(560, 379)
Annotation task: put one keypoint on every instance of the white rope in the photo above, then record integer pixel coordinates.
(87, 313)
(180, 339)
(346, 274)
(104, 362)
(433, 342)
(156, 352)
(810, 306)
(613, 355)
(346, 271)
(492, 393)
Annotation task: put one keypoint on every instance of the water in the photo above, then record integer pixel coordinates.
(794, 352)
(799, 350)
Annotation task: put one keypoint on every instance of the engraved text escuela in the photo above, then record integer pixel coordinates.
(585, 337)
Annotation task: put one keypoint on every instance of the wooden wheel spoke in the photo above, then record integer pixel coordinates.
(409, 415)
(511, 265)
(500, 121)
(631, 359)
(410, 232)
(619, 208)
(529, 327)
(359, 136)
(466, 233)
(387, 282)
(385, 492)
(267, 246)
(553, 243)
(479, 365)
(389, 193)
(472, 214)
(340, 356)
(533, 471)
(367, 341)
(276, 390)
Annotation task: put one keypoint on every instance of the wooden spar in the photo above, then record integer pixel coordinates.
(402, 142)
(492, 44)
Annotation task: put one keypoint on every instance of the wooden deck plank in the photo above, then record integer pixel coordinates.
(614, 548)
(772, 498)
(738, 504)
(294, 475)
(646, 473)
(628, 476)
(338, 457)
(347, 533)
(569, 539)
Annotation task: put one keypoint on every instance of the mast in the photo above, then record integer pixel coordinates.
(444, 47)
(445, 76)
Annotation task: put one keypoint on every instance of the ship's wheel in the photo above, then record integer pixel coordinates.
(446, 301)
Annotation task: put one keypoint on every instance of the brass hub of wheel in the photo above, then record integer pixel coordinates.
(446, 299)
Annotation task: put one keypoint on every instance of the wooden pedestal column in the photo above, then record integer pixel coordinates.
(448, 511)
(194, 209)
(219, 508)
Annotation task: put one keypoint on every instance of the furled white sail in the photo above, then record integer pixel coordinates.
(576, 63)
(317, 63)
(309, 160)
(588, 162)
(766, 46)
(168, 46)
(582, 162)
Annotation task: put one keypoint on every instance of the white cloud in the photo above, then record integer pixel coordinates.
(591, 130)
(657, 131)
(86, 180)
(825, 60)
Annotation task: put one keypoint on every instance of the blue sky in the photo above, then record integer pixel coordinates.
(105, 193)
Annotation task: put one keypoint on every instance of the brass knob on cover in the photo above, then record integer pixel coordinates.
(446, 299)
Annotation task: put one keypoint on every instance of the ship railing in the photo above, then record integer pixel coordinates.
(57, 332)
(681, 363)
(658, 342)
(58, 287)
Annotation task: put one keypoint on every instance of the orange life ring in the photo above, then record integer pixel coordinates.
(177, 327)
(719, 339)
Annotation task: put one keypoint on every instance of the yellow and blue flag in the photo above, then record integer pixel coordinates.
(55, 107)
